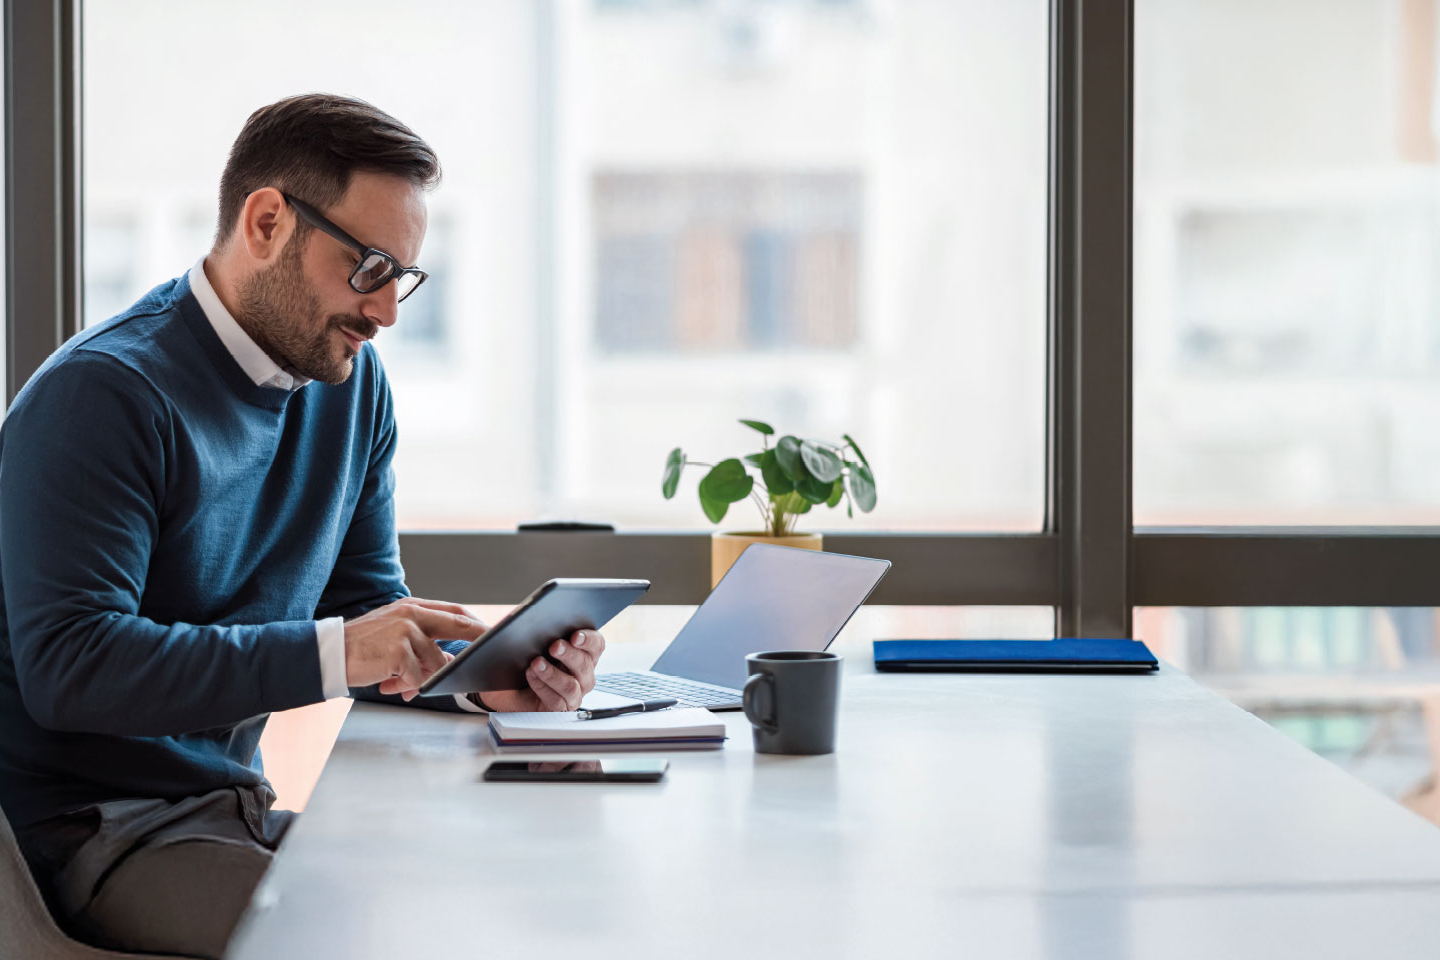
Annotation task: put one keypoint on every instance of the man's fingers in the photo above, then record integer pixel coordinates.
(396, 686)
(549, 699)
(577, 660)
(581, 655)
(428, 657)
(591, 641)
(394, 646)
(442, 605)
(444, 625)
(407, 673)
(565, 687)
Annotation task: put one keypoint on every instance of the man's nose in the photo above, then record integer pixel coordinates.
(383, 306)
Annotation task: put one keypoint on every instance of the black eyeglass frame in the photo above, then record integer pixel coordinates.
(318, 220)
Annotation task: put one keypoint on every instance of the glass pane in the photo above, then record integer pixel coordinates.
(1358, 685)
(657, 218)
(1287, 227)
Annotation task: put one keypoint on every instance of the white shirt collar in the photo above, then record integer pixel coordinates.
(256, 363)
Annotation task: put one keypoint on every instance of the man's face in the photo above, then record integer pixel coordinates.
(302, 311)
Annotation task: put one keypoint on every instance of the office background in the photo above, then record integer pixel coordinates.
(906, 220)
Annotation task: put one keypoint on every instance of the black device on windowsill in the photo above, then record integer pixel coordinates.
(617, 770)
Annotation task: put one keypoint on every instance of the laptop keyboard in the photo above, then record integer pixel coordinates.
(651, 686)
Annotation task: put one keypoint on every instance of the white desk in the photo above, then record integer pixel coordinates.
(964, 815)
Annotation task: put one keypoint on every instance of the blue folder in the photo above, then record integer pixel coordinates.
(1065, 655)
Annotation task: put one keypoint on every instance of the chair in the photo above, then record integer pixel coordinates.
(26, 927)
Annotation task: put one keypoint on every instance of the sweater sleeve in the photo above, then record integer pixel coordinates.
(82, 468)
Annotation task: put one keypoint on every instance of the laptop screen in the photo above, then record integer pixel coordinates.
(773, 598)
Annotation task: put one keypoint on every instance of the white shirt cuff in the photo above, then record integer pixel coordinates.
(465, 703)
(330, 638)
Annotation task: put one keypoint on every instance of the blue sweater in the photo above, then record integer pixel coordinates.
(169, 534)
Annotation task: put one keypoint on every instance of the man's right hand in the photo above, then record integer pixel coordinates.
(394, 645)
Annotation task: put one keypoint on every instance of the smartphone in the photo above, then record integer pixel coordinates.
(620, 770)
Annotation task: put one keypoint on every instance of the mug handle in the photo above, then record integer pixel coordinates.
(749, 700)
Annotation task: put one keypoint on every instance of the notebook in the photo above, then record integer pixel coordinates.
(1063, 655)
(682, 728)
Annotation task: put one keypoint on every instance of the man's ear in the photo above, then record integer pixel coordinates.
(266, 222)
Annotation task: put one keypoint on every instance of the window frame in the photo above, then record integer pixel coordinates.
(1089, 563)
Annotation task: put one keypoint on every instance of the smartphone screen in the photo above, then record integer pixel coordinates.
(618, 770)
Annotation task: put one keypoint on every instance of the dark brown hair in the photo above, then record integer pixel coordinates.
(309, 145)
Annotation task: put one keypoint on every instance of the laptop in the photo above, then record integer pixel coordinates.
(772, 598)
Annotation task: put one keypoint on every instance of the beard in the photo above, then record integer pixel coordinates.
(282, 314)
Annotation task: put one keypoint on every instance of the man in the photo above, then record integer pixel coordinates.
(193, 534)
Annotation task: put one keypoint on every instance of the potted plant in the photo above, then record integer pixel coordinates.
(784, 481)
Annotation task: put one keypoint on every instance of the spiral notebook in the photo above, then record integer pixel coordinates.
(686, 728)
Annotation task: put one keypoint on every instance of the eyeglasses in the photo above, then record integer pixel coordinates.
(376, 267)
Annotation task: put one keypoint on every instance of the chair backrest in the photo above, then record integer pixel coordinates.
(26, 927)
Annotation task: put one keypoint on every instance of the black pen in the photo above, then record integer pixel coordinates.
(644, 707)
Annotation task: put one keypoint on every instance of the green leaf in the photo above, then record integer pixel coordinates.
(821, 462)
(714, 509)
(753, 458)
(856, 447)
(837, 490)
(787, 451)
(673, 465)
(813, 490)
(862, 487)
(775, 480)
(727, 482)
(764, 428)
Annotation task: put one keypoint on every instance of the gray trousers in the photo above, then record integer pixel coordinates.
(157, 876)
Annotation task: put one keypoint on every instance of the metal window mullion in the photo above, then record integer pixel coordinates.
(43, 270)
(1312, 567)
(1090, 352)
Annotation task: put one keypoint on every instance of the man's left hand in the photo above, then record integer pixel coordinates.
(552, 687)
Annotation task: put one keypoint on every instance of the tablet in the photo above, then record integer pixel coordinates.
(497, 660)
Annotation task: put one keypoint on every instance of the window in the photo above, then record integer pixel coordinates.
(1287, 226)
(112, 271)
(657, 218)
(427, 330)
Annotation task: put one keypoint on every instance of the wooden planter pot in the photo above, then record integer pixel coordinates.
(725, 548)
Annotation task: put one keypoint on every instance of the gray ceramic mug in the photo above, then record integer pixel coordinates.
(792, 699)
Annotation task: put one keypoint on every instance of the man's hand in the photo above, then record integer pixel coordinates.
(551, 687)
(394, 645)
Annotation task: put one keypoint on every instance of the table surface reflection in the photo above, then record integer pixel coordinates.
(1005, 815)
